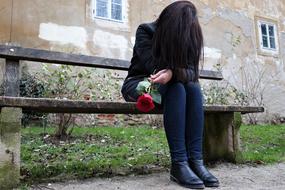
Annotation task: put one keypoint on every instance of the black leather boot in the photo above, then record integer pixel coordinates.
(201, 171)
(184, 176)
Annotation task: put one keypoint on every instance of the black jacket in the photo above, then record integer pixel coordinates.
(143, 63)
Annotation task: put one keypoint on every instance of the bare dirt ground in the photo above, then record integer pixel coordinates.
(231, 177)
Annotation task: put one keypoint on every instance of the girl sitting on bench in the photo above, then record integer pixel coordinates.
(168, 52)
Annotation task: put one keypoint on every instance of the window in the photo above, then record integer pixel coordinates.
(109, 9)
(267, 36)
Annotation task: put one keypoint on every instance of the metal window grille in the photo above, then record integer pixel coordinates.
(268, 36)
(108, 9)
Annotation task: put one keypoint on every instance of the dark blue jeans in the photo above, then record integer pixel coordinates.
(183, 117)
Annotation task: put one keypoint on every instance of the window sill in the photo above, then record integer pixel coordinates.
(110, 24)
(268, 53)
(108, 19)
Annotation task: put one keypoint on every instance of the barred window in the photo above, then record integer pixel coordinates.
(102, 8)
(268, 36)
(108, 9)
(116, 12)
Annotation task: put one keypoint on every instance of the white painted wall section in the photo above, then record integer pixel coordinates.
(212, 53)
(107, 39)
(74, 35)
(111, 43)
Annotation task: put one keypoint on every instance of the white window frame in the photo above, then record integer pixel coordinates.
(109, 11)
(268, 49)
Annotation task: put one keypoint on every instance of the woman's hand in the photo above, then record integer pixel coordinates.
(162, 77)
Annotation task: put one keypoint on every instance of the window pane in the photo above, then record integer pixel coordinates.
(272, 43)
(117, 1)
(263, 29)
(102, 8)
(116, 10)
(271, 30)
(264, 41)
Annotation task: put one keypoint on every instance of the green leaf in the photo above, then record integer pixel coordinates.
(146, 79)
(156, 96)
(143, 86)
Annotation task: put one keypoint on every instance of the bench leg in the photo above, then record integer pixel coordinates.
(221, 137)
(10, 141)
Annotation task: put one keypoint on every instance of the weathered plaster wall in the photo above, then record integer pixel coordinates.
(5, 20)
(224, 21)
(68, 26)
(63, 26)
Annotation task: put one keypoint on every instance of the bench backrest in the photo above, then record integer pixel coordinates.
(15, 54)
(28, 54)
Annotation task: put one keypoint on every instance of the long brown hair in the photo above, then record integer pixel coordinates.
(178, 39)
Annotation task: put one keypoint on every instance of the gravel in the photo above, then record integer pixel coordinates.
(232, 177)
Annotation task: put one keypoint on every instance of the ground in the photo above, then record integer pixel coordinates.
(231, 176)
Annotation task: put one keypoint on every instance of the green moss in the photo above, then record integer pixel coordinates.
(10, 120)
(9, 176)
(237, 120)
(239, 158)
(237, 124)
(11, 115)
(10, 126)
(11, 139)
(216, 133)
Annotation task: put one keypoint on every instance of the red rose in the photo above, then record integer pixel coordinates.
(145, 103)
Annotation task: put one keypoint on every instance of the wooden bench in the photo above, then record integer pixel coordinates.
(221, 122)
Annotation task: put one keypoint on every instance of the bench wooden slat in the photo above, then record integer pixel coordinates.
(28, 54)
(11, 82)
(49, 105)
